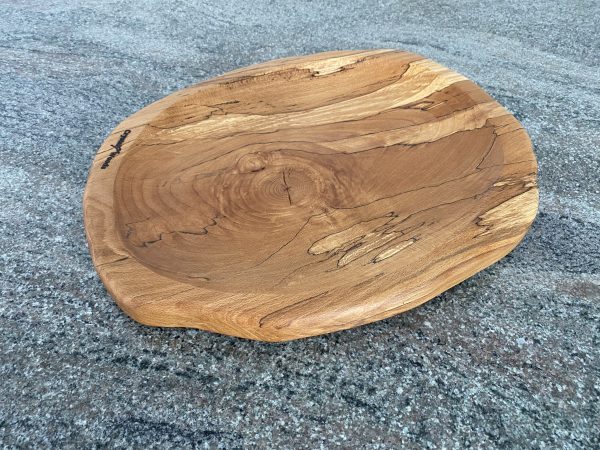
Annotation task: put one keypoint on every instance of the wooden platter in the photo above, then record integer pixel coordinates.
(307, 195)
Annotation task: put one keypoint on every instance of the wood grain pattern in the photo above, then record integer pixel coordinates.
(307, 195)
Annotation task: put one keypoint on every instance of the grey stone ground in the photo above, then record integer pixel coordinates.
(509, 358)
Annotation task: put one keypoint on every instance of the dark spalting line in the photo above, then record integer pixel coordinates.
(202, 231)
(287, 188)
(151, 301)
(197, 277)
(282, 310)
(365, 283)
(289, 241)
(490, 147)
(117, 149)
(382, 229)
(112, 262)
(158, 144)
(128, 224)
(387, 227)
(326, 257)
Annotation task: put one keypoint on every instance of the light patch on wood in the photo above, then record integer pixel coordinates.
(394, 250)
(516, 213)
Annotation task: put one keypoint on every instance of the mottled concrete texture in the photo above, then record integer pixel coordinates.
(509, 358)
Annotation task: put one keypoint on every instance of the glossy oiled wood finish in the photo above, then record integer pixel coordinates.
(307, 195)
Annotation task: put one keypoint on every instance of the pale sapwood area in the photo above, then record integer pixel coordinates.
(307, 195)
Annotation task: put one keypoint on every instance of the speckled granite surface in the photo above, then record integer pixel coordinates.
(509, 358)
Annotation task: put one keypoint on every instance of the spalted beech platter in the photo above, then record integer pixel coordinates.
(307, 195)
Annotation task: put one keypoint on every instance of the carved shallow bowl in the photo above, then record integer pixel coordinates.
(307, 195)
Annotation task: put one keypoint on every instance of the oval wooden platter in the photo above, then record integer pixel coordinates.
(307, 195)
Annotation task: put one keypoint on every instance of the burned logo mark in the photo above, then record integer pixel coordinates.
(117, 149)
